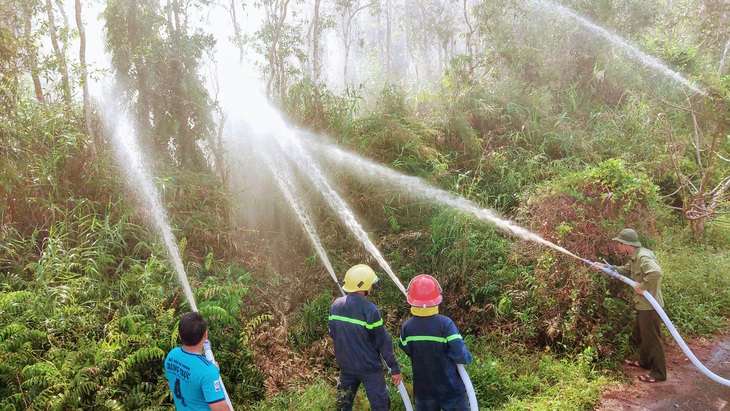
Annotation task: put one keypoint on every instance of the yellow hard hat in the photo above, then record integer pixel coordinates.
(359, 278)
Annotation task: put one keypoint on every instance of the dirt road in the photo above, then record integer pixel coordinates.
(686, 388)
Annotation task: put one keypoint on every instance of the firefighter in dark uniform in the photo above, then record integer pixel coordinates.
(360, 340)
(435, 347)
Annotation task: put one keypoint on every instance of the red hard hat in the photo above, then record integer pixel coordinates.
(424, 291)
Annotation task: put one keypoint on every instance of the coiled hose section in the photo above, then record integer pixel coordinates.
(613, 273)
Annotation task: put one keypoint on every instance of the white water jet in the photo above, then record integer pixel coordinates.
(268, 125)
(308, 167)
(248, 109)
(415, 186)
(721, 68)
(634, 51)
(281, 172)
(118, 123)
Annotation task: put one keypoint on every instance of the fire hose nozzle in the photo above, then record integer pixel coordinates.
(607, 268)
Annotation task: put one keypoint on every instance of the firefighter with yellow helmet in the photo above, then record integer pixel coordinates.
(360, 340)
(435, 347)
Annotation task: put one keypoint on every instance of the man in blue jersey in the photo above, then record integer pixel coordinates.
(194, 381)
(435, 347)
(360, 340)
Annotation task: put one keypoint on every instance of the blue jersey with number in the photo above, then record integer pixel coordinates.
(194, 381)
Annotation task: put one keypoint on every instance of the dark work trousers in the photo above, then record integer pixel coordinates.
(647, 335)
(375, 388)
(460, 403)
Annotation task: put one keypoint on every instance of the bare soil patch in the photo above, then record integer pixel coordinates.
(686, 388)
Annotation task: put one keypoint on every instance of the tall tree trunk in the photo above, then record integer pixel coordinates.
(279, 12)
(84, 74)
(143, 111)
(65, 83)
(32, 56)
(316, 65)
(237, 36)
(408, 34)
(348, 15)
(168, 13)
(388, 45)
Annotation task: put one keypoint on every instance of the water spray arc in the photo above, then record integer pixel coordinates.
(139, 179)
(634, 51)
(280, 170)
(307, 165)
(418, 187)
(281, 154)
(254, 119)
(295, 153)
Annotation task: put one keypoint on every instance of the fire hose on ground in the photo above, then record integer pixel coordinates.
(613, 273)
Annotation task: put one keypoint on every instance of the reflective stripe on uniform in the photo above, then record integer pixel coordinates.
(444, 340)
(378, 323)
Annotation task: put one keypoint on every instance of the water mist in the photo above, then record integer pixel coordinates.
(129, 157)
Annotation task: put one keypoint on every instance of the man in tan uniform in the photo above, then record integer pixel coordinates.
(643, 268)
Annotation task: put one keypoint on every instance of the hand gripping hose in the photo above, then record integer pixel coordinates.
(209, 355)
(613, 273)
(403, 393)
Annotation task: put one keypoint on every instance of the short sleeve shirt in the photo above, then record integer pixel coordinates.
(194, 381)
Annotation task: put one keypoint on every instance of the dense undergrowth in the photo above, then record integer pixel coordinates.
(89, 302)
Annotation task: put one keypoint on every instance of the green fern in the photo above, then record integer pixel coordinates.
(140, 357)
(251, 326)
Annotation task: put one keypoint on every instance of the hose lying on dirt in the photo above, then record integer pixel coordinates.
(613, 273)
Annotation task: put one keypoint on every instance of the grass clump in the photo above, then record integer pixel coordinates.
(516, 378)
(696, 288)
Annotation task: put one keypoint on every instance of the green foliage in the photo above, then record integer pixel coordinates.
(159, 60)
(320, 396)
(310, 324)
(468, 252)
(537, 115)
(581, 212)
(391, 136)
(697, 289)
(514, 378)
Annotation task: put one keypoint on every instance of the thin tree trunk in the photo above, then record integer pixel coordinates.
(32, 58)
(316, 66)
(143, 111)
(388, 49)
(407, 37)
(65, 83)
(169, 18)
(64, 37)
(237, 38)
(276, 62)
(84, 74)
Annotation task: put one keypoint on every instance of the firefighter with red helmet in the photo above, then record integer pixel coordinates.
(360, 340)
(435, 347)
